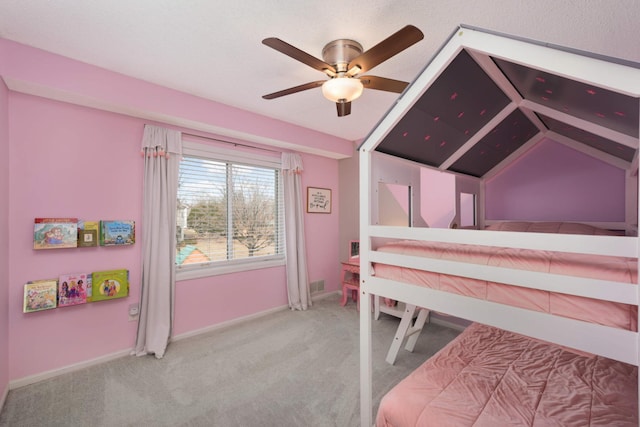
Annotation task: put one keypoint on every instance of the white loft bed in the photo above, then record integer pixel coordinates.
(384, 157)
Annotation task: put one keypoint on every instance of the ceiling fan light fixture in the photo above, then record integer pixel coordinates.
(354, 70)
(342, 89)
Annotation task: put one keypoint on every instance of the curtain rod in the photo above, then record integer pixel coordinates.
(229, 142)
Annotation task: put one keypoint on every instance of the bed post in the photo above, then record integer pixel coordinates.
(636, 172)
(631, 199)
(366, 364)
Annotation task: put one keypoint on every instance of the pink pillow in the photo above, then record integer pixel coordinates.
(551, 227)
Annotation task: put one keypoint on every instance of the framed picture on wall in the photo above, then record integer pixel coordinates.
(318, 200)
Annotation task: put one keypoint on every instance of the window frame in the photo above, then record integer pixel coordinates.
(240, 156)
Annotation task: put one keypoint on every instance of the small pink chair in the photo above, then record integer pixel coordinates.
(350, 281)
(355, 289)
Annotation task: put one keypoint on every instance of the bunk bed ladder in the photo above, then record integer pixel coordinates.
(407, 330)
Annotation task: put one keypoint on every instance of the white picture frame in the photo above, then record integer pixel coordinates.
(318, 200)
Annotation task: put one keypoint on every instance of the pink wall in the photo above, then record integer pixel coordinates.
(76, 161)
(64, 79)
(69, 161)
(554, 182)
(438, 197)
(4, 241)
(322, 230)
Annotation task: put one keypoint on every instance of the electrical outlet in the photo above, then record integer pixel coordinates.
(134, 310)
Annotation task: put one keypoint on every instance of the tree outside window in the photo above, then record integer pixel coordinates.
(213, 227)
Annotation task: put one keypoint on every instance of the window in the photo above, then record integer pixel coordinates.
(229, 213)
(467, 210)
(394, 204)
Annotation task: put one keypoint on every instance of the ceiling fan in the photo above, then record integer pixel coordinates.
(343, 61)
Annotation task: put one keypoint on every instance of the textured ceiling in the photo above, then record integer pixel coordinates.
(213, 48)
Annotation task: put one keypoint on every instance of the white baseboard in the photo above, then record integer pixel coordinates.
(243, 319)
(3, 398)
(228, 323)
(324, 295)
(32, 379)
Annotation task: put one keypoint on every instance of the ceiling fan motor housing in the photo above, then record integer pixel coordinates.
(340, 52)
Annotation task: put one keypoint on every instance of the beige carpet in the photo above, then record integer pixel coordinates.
(285, 369)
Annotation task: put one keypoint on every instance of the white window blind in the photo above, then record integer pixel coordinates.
(230, 211)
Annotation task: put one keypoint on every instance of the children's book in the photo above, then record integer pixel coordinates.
(72, 289)
(52, 233)
(88, 233)
(117, 233)
(40, 295)
(89, 287)
(109, 285)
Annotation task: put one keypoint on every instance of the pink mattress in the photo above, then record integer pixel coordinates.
(607, 313)
(491, 377)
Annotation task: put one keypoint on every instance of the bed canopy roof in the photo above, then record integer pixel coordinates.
(485, 99)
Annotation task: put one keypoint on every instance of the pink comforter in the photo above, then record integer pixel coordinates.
(490, 377)
(607, 313)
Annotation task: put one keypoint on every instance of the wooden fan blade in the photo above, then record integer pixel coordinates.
(297, 54)
(293, 90)
(344, 108)
(387, 48)
(383, 83)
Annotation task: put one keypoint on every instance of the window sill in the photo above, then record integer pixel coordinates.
(197, 273)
